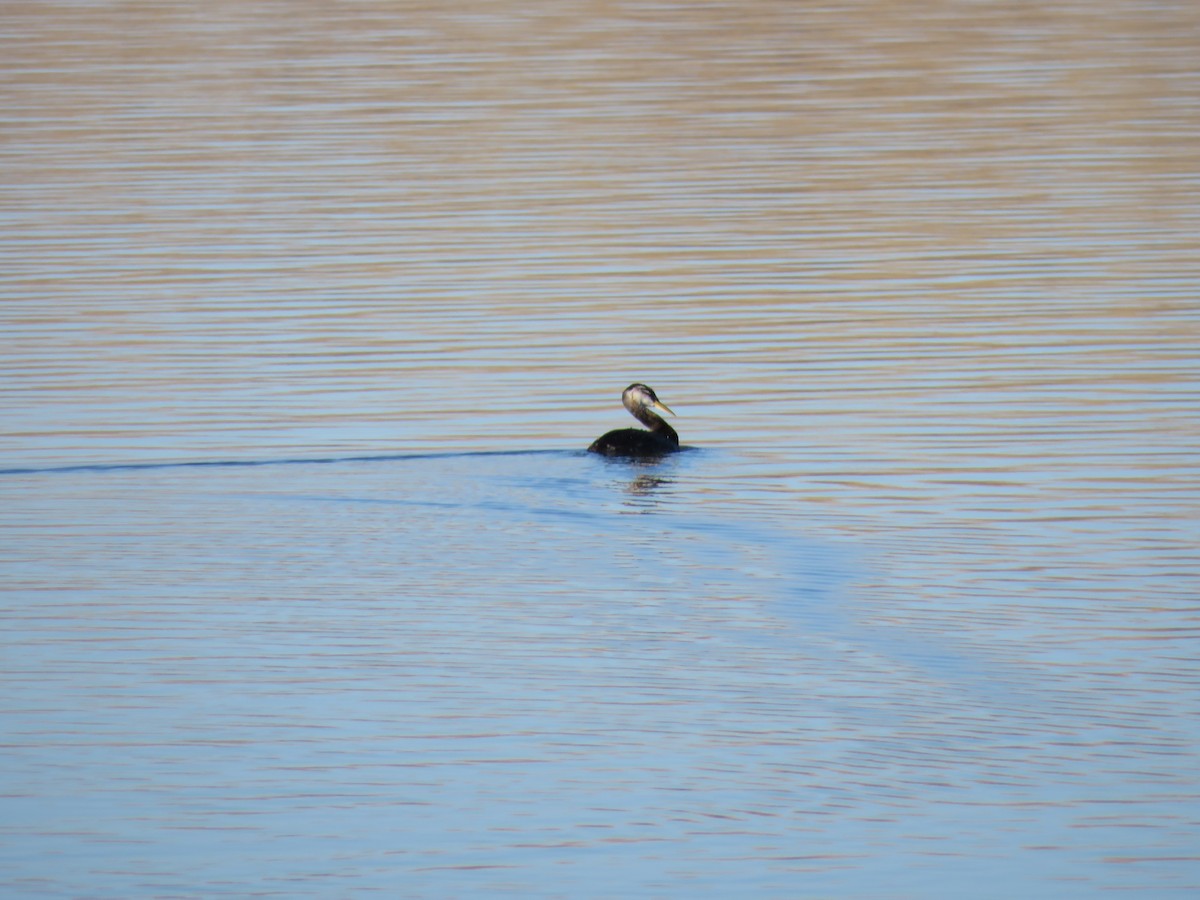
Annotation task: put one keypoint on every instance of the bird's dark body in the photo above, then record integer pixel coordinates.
(634, 442)
(660, 439)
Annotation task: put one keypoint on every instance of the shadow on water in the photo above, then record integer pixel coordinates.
(805, 583)
(648, 477)
(290, 461)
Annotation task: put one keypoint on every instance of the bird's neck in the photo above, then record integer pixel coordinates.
(656, 423)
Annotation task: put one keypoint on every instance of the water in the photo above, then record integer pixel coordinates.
(309, 589)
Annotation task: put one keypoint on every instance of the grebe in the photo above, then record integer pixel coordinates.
(640, 400)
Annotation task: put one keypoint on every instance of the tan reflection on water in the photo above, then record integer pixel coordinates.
(759, 200)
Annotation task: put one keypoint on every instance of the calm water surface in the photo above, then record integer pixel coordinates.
(310, 591)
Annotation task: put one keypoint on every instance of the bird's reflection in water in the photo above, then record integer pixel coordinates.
(645, 491)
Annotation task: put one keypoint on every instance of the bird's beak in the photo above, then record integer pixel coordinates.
(658, 404)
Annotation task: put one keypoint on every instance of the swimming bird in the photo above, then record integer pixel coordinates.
(640, 400)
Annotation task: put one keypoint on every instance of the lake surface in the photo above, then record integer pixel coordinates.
(309, 589)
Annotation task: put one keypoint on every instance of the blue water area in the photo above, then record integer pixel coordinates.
(543, 673)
